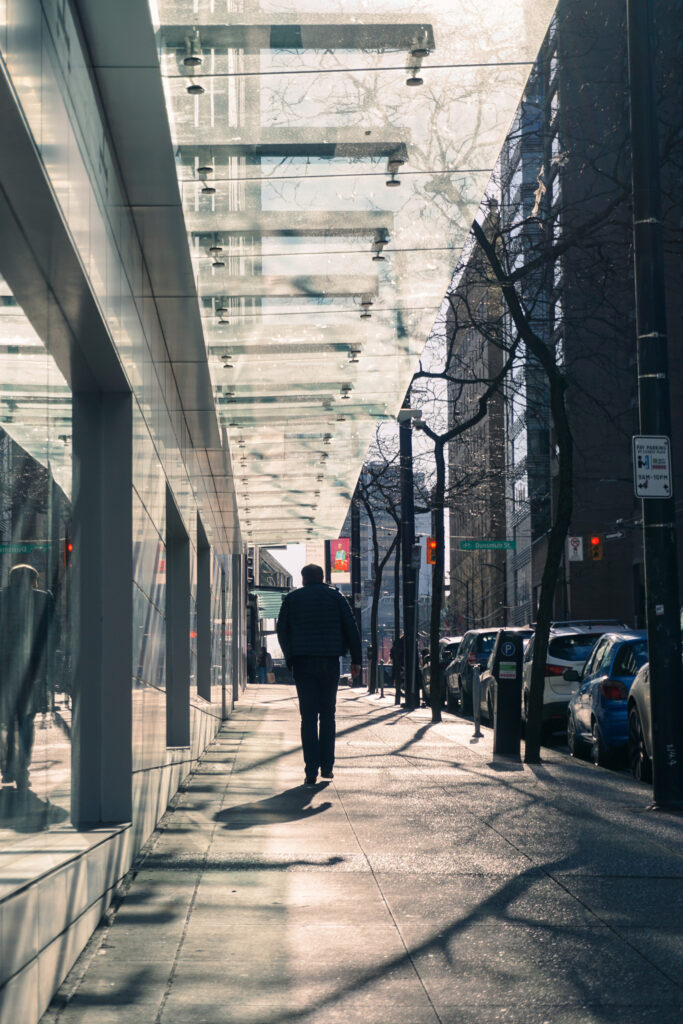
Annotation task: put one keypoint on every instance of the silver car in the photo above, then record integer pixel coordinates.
(640, 726)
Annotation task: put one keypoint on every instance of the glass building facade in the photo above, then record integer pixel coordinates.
(227, 229)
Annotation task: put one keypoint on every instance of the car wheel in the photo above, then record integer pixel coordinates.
(489, 708)
(600, 754)
(638, 760)
(576, 746)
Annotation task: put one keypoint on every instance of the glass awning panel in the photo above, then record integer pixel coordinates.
(331, 157)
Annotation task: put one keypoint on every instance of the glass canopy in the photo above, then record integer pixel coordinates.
(331, 157)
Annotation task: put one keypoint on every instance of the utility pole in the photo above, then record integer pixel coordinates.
(659, 513)
(355, 570)
(405, 418)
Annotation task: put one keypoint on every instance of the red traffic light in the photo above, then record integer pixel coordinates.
(596, 547)
(431, 550)
(595, 541)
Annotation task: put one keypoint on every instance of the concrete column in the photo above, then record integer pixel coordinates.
(237, 623)
(102, 603)
(177, 627)
(203, 613)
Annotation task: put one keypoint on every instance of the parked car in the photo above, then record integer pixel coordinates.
(639, 712)
(569, 646)
(488, 678)
(597, 716)
(448, 648)
(474, 649)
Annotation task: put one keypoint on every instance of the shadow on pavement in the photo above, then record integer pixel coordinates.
(290, 805)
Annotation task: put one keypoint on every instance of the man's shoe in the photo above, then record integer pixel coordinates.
(310, 780)
(326, 774)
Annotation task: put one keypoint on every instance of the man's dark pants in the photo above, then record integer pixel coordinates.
(317, 679)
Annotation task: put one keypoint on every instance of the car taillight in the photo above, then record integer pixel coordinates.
(612, 689)
(554, 670)
(471, 658)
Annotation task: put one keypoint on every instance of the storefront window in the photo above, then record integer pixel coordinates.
(36, 549)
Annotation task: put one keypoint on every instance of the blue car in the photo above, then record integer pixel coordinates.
(597, 718)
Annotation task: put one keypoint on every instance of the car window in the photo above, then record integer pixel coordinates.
(630, 658)
(598, 651)
(486, 642)
(466, 644)
(607, 655)
(571, 648)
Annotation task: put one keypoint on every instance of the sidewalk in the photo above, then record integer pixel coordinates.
(427, 883)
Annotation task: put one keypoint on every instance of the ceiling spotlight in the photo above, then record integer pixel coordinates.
(204, 170)
(222, 322)
(327, 438)
(227, 365)
(193, 51)
(220, 310)
(346, 391)
(215, 250)
(195, 89)
(415, 79)
(229, 393)
(218, 262)
(341, 418)
(320, 478)
(394, 164)
(240, 442)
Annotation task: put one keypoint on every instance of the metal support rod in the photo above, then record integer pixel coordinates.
(407, 543)
(328, 562)
(659, 514)
(355, 566)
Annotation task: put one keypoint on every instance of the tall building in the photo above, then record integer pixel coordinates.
(476, 463)
(565, 178)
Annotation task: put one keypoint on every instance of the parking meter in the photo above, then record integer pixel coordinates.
(507, 672)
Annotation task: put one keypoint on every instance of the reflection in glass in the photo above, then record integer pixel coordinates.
(35, 567)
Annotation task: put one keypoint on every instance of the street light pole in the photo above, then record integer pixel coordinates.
(405, 418)
(659, 514)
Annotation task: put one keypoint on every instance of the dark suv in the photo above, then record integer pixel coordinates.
(474, 649)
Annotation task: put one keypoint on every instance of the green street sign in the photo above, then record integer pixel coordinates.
(488, 545)
(20, 549)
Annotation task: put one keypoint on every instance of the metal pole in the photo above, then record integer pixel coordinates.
(328, 562)
(407, 543)
(355, 571)
(659, 514)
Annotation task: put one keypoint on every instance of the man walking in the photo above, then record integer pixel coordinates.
(315, 627)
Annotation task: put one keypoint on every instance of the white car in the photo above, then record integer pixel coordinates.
(569, 645)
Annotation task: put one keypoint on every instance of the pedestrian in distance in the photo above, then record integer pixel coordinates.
(251, 664)
(315, 628)
(265, 665)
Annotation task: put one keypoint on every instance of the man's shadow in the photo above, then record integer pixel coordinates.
(290, 805)
(24, 811)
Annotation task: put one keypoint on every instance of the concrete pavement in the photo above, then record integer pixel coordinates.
(427, 883)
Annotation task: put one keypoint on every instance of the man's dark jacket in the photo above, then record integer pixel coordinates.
(317, 620)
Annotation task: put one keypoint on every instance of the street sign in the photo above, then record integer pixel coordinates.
(575, 549)
(651, 466)
(488, 545)
(21, 549)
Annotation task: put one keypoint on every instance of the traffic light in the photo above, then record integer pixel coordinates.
(68, 551)
(431, 550)
(596, 548)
